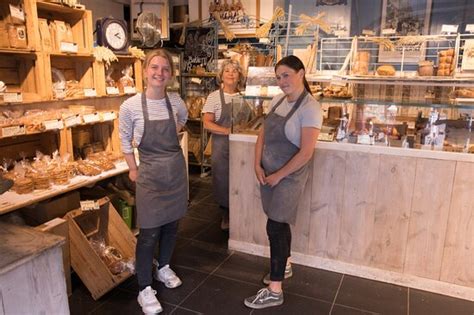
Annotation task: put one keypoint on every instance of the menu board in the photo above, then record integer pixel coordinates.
(200, 49)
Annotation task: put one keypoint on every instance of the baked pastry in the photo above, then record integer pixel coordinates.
(425, 68)
(386, 70)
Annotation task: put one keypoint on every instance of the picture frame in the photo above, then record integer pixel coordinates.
(402, 18)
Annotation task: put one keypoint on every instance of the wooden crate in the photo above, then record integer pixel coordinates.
(123, 61)
(20, 73)
(107, 224)
(80, 21)
(27, 145)
(73, 68)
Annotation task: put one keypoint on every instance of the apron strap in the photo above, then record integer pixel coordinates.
(145, 107)
(170, 110)
(297, 105)
(221, 93)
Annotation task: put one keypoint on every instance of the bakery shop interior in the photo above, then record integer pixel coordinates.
(394, 80)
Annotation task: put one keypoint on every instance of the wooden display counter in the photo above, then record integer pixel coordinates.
(31, 272)
(397, 215)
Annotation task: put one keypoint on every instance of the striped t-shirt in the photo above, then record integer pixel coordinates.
(131, 122)
(213, 103)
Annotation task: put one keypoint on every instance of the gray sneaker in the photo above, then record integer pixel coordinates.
(264, 298)
(288, 274)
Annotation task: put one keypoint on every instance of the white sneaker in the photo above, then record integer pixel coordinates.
(168, 277)
(148, 301)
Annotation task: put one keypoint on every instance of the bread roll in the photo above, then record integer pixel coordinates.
(387, 70)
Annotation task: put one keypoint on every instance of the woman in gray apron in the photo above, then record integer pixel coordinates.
(217, 119)
(152, 120)
(283, 152)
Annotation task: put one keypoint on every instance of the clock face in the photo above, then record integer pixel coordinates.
(116, 36)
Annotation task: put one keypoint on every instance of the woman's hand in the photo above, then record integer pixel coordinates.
(133, 174)
(260, 173)
(273, 179)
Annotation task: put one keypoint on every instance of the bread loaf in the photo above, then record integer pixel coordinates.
(387, 70)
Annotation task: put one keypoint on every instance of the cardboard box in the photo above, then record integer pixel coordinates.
(53, 208)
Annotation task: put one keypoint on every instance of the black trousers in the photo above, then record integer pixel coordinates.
(279, 235)
(165, 235)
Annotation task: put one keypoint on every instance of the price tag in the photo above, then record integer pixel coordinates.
(264, 40)
(339, 82)
(112, 90)
(17, 12)
(449, 28)
(252, 90)
(12, 97)
(129, 90)
(69, 47)
(53, 124)
(273, 90)
(368, 32)
(90, 92)
(12, 131)
(88, 205)
(72, 121)
(91, 118)
(469, 28)
(340, 33)
(108, 116)
(389, 31)
(196, 80)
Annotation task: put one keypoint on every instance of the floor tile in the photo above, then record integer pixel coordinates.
(315, 283)
(372, 296)
(220, 296)
(190, 227)
(199, 256)
(126, 303)
(422, 302)
(345, 310)
(213, 234)
(244, 267)
(81, 301)
(205, 211)
(183, 311)
(191, 279)
(295, 304)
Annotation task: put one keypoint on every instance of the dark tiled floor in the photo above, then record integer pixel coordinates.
(216, 280)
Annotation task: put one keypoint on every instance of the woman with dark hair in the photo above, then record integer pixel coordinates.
(151, 121)
(217, 119)
(283, 152)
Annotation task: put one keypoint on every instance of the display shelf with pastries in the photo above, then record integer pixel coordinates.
(381, 122)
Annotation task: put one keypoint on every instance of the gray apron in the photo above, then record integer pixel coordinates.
(162, 186)
(220, 156)
(281, 201)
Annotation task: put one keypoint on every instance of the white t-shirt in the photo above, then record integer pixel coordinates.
(213, 103)
(307, 115)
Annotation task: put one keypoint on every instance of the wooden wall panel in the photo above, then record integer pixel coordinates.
(358, 212)
(429, 217)
(247, 219)
(458, 258)
(326, 202)
(395, 184)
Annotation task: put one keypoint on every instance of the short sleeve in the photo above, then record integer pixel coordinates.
(311, 115)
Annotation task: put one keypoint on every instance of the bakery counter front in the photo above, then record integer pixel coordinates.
(397, 215)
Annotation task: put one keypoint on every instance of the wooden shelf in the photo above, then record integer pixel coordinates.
(11, 201)
(27, 53)
(75, 55)
(67, 12)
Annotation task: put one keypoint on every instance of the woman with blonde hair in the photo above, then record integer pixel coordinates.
(217, 119)
(151, 121)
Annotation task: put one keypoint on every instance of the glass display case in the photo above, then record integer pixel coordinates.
(407, 124)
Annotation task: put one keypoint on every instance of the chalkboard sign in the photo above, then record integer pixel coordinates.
(200, 49)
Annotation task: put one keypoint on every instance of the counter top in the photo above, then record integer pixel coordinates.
(350, 147)
(20, 244)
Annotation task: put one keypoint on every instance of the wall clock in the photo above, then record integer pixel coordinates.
(112, 33)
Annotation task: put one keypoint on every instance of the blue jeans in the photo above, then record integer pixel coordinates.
(165, 235)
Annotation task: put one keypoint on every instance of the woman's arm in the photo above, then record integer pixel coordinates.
(132, 166)
(210, 125)
(309, 136)
(259, 172)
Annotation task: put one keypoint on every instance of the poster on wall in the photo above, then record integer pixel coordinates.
(405, 18)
